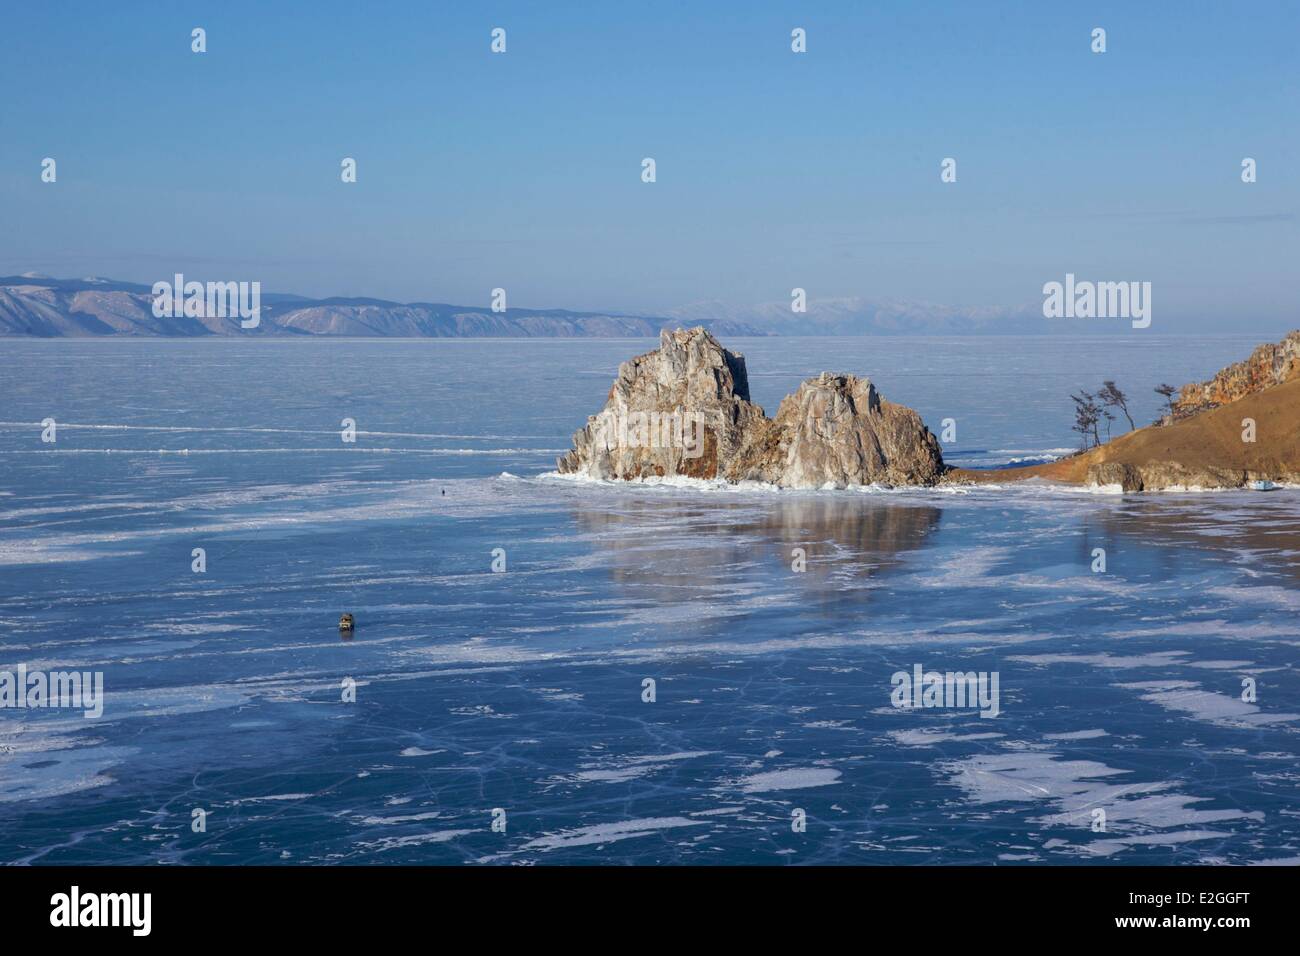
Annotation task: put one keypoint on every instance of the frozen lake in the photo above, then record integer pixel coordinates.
(523, 690)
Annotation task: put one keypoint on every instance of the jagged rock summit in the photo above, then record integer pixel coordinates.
(685, 410)
(1274, 363)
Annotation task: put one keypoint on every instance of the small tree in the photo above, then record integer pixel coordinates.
(1109, 418)
(1111, 396)
(1168, 391)
(1086, 415)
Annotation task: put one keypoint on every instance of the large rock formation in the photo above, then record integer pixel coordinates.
(685, 410)
(837, 429)
(1269, 365)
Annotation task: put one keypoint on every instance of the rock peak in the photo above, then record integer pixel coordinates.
(685, 409)
(1273, 363)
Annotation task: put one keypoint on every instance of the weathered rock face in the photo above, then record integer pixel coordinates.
(1163, 475)
(685, 410)
(836, 429)
(1268, 365)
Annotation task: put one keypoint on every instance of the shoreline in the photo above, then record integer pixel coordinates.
(1254, 438)
(1241, 427)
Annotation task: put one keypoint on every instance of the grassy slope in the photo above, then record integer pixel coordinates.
(1211, 439)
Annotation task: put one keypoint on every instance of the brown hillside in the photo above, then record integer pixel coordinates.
(1205, 450)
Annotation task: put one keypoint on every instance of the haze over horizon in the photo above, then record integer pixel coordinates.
(774, 170)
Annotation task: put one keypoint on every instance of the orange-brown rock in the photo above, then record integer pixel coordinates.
(1205, 451)
(1269, 365)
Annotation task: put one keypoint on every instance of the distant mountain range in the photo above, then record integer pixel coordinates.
(37, 305)
(856, 315)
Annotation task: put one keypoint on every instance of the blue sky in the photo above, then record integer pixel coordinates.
(775, 170)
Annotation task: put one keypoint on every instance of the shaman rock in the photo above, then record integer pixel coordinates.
(685, 410)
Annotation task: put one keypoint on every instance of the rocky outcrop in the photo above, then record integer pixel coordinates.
(1241, 427)
(837, 430)
(684, 410)
(1237, 428)
(1269, 365)
(1164, 475)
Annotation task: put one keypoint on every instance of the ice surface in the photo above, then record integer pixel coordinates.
(523, 689)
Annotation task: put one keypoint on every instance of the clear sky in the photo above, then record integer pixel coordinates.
(775, 169)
